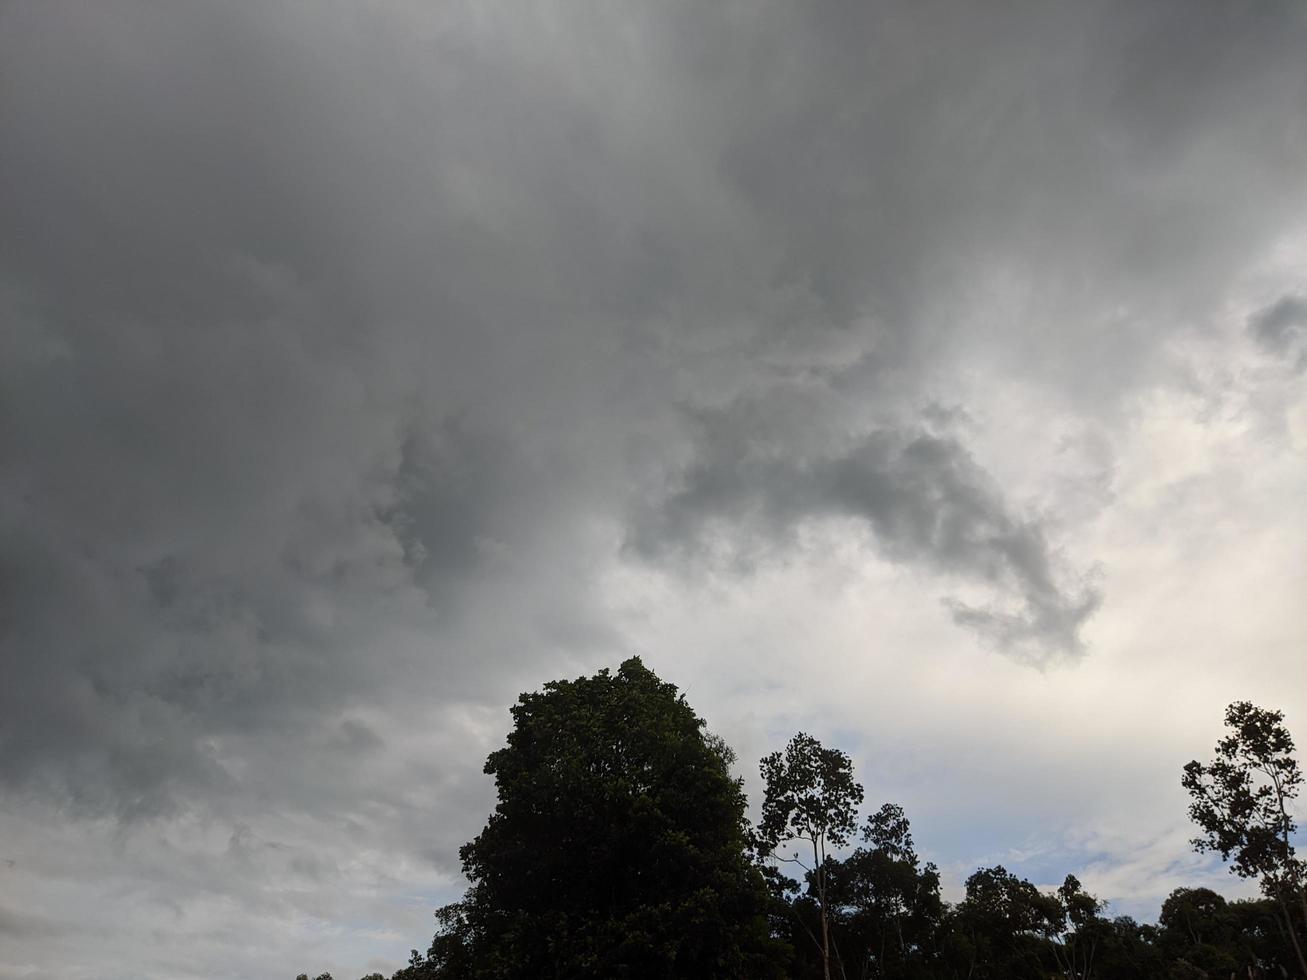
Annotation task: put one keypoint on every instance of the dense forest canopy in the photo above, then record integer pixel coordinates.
(620, 848)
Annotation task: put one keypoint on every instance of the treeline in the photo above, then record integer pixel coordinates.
(620, 848)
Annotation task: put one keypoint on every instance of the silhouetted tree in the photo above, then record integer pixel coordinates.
(1196, 929)
(886, 903)
(811, 796)
(1003, 928)
(1084, 930)
(1240, 801)
(1128, 951)
(428, 967)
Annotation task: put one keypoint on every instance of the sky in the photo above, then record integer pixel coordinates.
(927, 376)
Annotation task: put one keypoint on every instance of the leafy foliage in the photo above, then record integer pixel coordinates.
(888, 904)
(1004, 927)
(1241, 804)
(617, 847)
(810, 796)
(1240, 798)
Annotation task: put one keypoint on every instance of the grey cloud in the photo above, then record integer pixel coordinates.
(950, 151)
(925, 499)
(452, 489)
(208, 396)
(244, 299)
(1282, 326)
(358, 737)
(15, 924)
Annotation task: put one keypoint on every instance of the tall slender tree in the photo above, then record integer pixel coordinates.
(811, 798)
(1241, 803)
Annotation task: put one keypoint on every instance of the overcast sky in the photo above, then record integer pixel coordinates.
(931, 377)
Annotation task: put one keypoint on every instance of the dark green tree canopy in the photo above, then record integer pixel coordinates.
(617, 847)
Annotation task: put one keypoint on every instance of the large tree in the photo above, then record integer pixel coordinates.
(1241, 802)
(618, 847)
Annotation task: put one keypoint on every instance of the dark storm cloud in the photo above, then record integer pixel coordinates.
(924, 498)
(322, 326)
(212, 387)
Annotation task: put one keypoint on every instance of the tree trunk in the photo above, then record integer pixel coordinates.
(825, 945)
(1291, 870)
(818, 858)
(1293, 933)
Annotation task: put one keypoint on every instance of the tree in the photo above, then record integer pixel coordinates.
(432, 966)
(1076, 949)
(1240, 802)
(888, 904)
(617, 848)
(1004, 929)
(810, 796)
(1262, 942)
(1129, 951)
(1195, 928)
